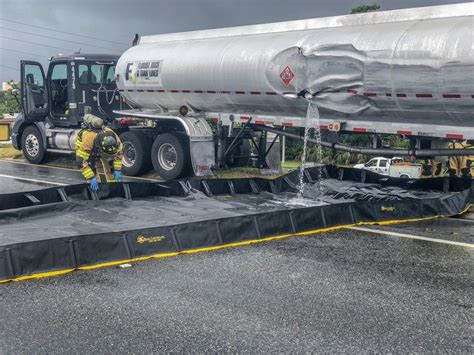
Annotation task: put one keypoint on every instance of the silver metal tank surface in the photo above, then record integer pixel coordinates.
(63, 140)
(413, 65)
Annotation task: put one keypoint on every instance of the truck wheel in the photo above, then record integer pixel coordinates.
(404, 176)
(32, 145)
(170, 156)
(136, 153)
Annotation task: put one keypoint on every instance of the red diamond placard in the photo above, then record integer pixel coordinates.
(287, 75)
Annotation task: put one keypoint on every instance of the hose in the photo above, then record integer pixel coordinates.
(102, 88)
(373, 151)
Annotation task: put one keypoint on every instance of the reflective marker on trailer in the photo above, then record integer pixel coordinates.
(271, 93)
(454, 136)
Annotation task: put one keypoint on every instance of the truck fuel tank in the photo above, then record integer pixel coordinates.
(62, 139)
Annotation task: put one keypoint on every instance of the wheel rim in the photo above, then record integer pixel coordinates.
(167, 156)
(129, 154)
(32, 145)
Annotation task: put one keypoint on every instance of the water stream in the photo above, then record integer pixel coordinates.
(312, 123)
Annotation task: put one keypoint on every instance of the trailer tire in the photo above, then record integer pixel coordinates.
(32, 145)
(136, 153)
(170, 156)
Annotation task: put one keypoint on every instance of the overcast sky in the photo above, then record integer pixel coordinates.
(109, 25)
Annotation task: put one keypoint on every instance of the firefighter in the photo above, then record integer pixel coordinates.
(98, 144)
(90, 123)
(460, 165)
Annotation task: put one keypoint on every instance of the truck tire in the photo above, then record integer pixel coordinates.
(170, 156)
(136, 153)
(32, 145)
(404, 176)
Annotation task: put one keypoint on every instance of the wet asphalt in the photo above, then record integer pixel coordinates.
(26, 173)
(345, 291)
(9, 186)
(334, 292)
(17, 176)
(459, 229)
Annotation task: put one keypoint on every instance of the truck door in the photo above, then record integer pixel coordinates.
(371, 165)
(383, 167)
(34, 92)
(59, 84)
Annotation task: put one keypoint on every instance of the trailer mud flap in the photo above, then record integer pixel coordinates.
(202, 156)
(58, 230)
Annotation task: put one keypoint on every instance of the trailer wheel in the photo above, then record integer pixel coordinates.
(136, 153)
(32, 145)
(170, 156)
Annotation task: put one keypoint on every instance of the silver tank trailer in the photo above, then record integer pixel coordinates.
(414, 66)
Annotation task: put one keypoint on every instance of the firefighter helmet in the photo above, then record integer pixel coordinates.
(107, 144)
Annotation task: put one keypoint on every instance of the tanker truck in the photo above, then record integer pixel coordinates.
(194, 101)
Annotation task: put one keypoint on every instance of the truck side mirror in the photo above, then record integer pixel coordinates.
(16, 94)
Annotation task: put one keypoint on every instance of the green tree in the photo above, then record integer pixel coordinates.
(8, 102)
(365, 8)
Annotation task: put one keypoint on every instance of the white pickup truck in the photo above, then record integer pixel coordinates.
(395, 167)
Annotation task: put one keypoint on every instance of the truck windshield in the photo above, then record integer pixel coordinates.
(96, 74)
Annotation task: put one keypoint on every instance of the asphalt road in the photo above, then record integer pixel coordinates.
(346, 291)
(8, 185)
(335, 292)
(18, 176)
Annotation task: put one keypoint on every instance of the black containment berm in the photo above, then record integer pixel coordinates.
(57, 230)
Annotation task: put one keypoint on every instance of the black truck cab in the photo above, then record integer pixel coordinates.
(73, 85)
